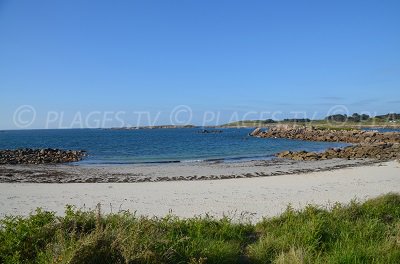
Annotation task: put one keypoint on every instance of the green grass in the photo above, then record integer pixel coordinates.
(356, 233)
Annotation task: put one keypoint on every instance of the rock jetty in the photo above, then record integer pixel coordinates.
(329, 135)
(40, 156)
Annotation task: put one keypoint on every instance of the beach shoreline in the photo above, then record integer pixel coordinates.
(133, 173)
(252, 198)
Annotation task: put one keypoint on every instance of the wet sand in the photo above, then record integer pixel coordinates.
(167, 172)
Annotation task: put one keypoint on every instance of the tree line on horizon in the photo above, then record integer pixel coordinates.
(363, 117)
(341, 118)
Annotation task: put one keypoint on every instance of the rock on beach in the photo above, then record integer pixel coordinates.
(40, 156)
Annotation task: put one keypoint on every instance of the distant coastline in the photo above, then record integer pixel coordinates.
(153, 127)
(358, 121)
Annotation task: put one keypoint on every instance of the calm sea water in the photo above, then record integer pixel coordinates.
(157, 145)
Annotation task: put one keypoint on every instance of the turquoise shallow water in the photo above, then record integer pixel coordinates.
(157, 145)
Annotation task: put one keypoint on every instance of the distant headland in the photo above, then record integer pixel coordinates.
(344, 121)
(390, 120)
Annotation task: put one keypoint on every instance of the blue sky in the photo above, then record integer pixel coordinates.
(222, 56)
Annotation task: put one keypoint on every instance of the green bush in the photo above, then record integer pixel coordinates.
(23, 239)
(366, 232)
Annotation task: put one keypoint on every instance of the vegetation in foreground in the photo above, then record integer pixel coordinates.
(356, 233)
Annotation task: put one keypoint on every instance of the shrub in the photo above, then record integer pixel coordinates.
(22, 239)
(366, 232)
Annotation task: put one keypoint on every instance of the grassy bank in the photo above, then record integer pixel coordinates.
(357, 233)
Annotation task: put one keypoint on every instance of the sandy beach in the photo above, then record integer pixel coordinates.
(253, 197)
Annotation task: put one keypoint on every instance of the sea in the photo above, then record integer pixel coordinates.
(141, 146)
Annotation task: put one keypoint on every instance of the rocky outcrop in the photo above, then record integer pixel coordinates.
(381, 151)
(40, 156)
(329, 135)
(370, 144)
(256, 132)
(206, 131)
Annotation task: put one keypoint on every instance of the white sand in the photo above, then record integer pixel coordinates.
(261, 196)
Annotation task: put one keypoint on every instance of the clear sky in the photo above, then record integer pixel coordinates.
(222, 56)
